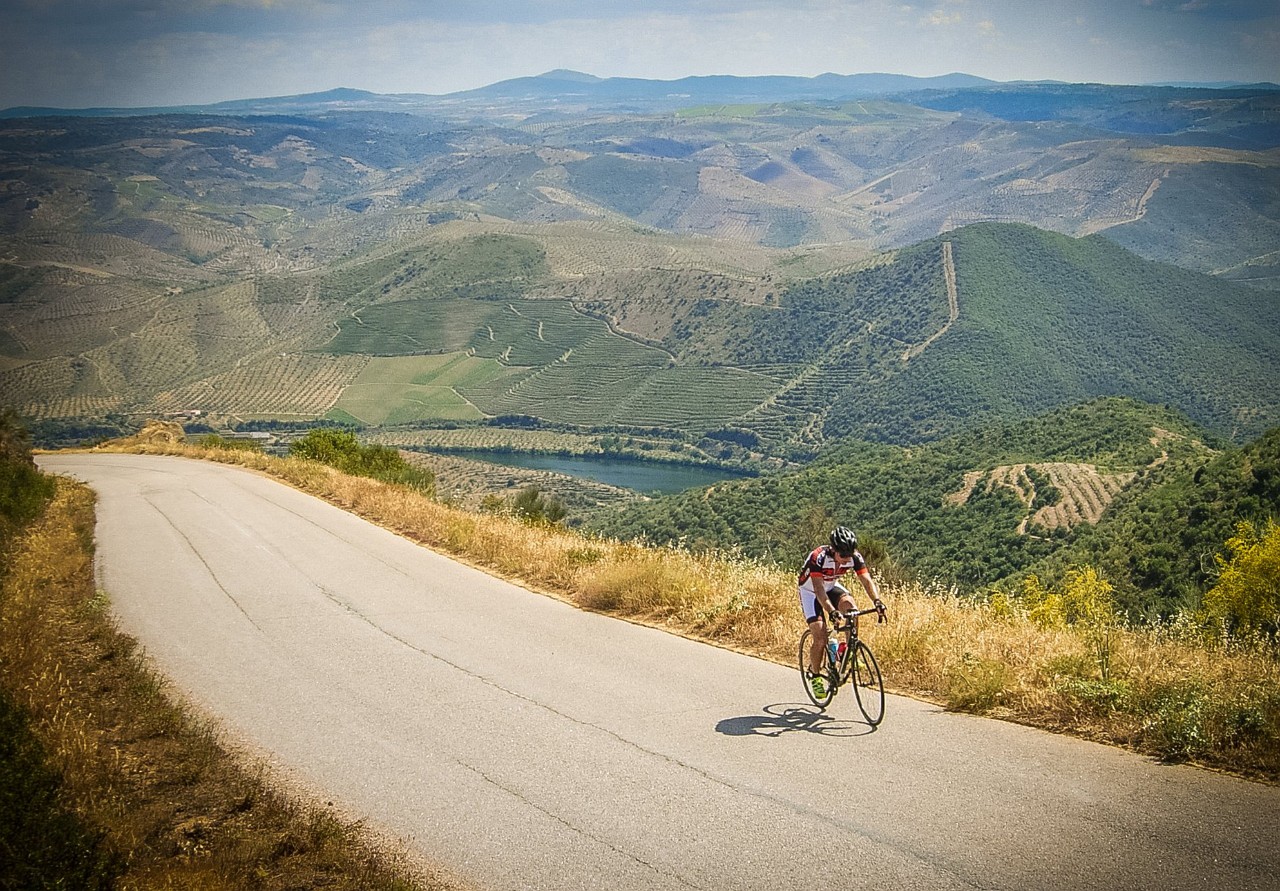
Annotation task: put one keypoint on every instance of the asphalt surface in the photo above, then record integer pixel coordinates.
(521, 743)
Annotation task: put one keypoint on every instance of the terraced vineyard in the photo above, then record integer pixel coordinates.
(1085, 494)
(292, 386)
(695, 397)
(1082, 492)
(486, 438)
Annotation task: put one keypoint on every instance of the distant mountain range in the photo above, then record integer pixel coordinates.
(581, 90)
(719, 88)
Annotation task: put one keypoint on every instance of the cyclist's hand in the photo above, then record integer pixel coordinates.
(880, 610)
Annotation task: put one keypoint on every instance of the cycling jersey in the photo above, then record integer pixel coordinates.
(824, 562)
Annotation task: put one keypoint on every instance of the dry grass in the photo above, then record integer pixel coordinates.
(106, 783)
(1170, 693)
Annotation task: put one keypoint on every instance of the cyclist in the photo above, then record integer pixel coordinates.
(820, 591)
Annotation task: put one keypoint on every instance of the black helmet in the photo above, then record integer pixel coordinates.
(843, 540)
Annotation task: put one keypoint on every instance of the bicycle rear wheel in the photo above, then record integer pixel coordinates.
(807, 674)
(868, 686)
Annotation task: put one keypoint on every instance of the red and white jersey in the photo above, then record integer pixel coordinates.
(825, 563)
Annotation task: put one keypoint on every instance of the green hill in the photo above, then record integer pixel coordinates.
(1159, 541)
(986, 324)
(894, 352)
(968, 511)
(1046, 320)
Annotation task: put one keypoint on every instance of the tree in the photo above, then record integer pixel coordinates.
(1247, 595)
(534, 507)
(1086, 601)
(341, 449)
(337, 448)
(24, 491)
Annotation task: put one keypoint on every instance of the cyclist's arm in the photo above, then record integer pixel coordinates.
(819, 585)
(869, 585)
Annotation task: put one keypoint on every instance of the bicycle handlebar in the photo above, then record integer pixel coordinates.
(850, 616)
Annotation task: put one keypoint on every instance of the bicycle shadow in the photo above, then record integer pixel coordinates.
(789, 717)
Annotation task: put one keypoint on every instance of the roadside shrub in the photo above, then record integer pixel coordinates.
(1178, 727)
(978, 685)
(1247, 596)
(214, 441)
(1086, 601)
(24, 491)
(533, 507)
(1104, 697)
(341, 449)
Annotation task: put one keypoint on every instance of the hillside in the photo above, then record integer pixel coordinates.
(1159, 540)
(989, 322)
(754, 280)
(968, 511)
(880, 172)
(1046, 321)
(1040, 321)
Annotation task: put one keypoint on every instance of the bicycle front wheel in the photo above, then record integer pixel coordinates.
(868, 686)
(819, 697)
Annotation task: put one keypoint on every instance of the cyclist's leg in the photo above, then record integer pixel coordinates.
(841, 597)
(816, 616)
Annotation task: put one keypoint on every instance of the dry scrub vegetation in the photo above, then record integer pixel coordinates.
(1169, 692)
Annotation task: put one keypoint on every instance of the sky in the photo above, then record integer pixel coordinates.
(130, 53)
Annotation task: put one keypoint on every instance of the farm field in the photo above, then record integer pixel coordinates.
(534, 357)
(513, 331)
(294, 385)
(404, 389)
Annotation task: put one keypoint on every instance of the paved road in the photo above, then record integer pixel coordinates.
(568, 750)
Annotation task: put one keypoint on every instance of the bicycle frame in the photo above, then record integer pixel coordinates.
(857, 665)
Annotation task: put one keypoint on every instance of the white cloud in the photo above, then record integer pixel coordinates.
(939, 18)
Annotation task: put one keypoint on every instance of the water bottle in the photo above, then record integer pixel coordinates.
(832, 650)
(840, 653)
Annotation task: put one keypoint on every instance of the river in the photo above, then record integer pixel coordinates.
(628, 473)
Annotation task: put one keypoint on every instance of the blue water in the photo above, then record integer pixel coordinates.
(642, 476)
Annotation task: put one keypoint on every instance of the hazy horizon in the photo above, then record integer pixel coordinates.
(132, 53)
(359, 89)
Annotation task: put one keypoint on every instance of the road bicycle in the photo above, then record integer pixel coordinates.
(852, 661)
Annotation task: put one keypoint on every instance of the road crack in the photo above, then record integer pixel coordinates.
(209, 569)
(578, 829)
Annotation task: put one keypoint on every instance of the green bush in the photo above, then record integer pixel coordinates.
(214, 441)
(341, 449)
(1085, 601)
(534, 507)
(1103, 697)
(978, 685)
(1178, 728)
(1247, 595)
(24, 491)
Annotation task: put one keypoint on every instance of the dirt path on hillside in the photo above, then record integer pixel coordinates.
(953, 304)
(1139, 212)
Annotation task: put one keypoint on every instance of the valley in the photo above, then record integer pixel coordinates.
(759, 282)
